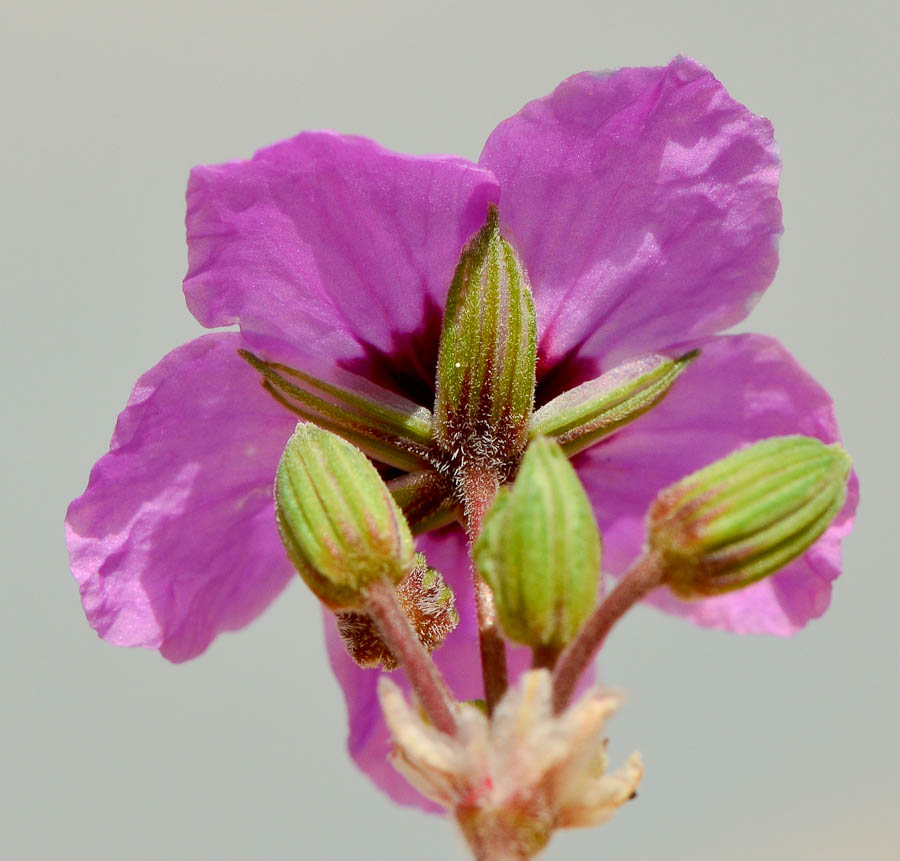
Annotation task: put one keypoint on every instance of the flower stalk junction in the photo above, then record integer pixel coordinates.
(535, 550)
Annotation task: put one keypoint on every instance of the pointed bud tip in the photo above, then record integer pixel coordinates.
(488, 351)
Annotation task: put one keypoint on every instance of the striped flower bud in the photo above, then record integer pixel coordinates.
(584, 415)
(746, 516)
(337, 519)
(539, 551)
(486, 361)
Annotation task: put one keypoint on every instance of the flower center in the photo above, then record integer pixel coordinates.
(453, 460)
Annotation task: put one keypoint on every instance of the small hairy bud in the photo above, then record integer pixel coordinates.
(486, 362)
(337, 519)
(746, 516)
(539, 551)
(426, 601)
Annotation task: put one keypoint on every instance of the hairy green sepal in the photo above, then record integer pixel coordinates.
(385, 426)
(583, 415)
(488, 348)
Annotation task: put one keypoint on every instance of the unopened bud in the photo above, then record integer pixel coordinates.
(584, 415)
(426, 601)
(539, 551)
(337, 519)
(486, 363)
(746, 516)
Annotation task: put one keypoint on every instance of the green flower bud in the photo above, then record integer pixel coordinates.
(486, 362)
(384, 425)
(539, 551)
(338, 522)
(746, 516)
(584, 415)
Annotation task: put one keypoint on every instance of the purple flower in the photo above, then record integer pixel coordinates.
(643, 204)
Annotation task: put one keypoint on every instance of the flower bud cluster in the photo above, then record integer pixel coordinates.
(527, 762)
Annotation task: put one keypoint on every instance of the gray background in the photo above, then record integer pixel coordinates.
(755, 748)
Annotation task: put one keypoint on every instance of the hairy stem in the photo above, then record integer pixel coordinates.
(504, 834)
(643, 577)
(493, 852)
(479, 487)
(383, 606)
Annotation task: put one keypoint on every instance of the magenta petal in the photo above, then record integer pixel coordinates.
(368, 739)
(330, 243)
(644, 204)
(174, 539)
(741, 389)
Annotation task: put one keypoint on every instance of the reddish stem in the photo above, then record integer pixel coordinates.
(383, 606)
(544, 657)
(479, 487)
(642, 578)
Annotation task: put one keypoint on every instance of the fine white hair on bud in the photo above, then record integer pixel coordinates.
(487, 355)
